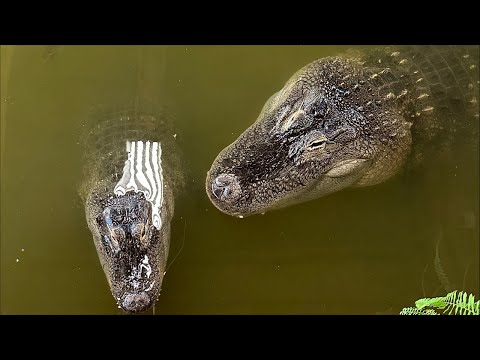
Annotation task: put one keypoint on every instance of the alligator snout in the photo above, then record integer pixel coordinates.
(136, 302)
(226, 187)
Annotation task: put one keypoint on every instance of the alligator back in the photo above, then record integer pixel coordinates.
(107, 131)
(436, 88)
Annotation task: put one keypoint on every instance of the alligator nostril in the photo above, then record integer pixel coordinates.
(225, 187)
(136, 302)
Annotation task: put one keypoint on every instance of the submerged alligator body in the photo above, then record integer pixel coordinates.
(348, 121)
(131, 178)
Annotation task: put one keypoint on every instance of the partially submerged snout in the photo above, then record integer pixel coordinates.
(132, 250)
(248, 177)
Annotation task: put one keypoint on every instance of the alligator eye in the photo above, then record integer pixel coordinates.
(117, 236)
(143, 234)
(317, 144)
(118, 232)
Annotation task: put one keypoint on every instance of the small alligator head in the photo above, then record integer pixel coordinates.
(329, 128)
(132, 251)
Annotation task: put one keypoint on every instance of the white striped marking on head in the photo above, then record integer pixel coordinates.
(143, 173)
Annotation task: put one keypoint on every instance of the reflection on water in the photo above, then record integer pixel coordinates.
(371, 250)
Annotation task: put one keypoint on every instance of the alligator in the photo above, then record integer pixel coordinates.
(351, 120)
(132, 175)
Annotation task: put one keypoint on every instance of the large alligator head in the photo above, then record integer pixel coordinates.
(327, 129)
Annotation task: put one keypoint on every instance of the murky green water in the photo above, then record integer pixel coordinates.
(361, 251)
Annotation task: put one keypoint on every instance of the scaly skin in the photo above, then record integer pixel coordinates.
(126, 235)
(348, 121)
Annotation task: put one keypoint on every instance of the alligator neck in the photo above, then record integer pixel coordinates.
(434, 87)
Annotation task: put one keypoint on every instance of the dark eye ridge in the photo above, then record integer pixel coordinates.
(319, 109)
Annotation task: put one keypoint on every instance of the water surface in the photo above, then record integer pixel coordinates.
(362, 251)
